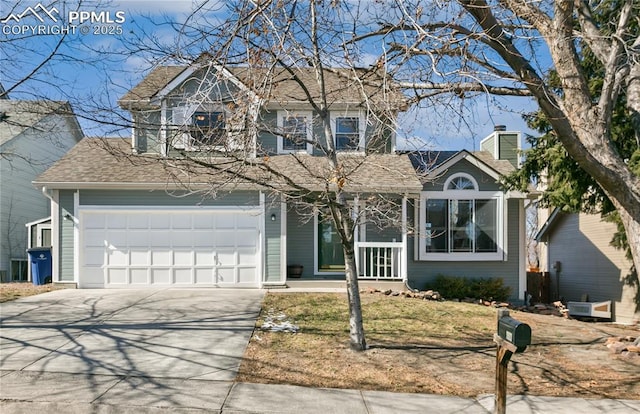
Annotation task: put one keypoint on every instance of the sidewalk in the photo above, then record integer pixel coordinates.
(29, 392)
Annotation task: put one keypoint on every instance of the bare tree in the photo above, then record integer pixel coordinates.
(468, 48)
(288, 55)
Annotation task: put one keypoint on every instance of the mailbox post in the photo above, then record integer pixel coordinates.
(512, 336)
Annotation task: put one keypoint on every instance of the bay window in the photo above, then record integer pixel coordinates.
(461, 223)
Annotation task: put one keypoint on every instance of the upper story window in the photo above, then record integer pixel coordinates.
(296, 132)
(208, 128)
(461, 222)
(348, 130)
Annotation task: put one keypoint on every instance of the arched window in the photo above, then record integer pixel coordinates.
(461, 181)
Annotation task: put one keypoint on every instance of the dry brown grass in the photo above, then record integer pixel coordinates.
(12, 291)
(433, 347)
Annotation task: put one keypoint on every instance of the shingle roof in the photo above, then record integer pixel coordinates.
(157, 79)
(427, 161)
(17, 116)
(97, 162)
(503, 167)
(283, 86)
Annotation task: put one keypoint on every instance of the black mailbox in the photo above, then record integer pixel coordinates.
(514, 331)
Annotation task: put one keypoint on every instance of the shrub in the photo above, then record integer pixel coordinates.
(490, 289)
(452, 287)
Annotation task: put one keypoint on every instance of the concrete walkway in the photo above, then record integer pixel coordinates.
(178, 351)
(29, 392)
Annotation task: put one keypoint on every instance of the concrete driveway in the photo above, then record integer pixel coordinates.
(173, 333)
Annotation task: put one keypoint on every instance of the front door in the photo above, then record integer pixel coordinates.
(330, 253)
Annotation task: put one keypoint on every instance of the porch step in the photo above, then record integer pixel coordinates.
(341, 284)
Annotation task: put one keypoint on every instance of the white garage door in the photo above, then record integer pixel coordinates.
(137, 248)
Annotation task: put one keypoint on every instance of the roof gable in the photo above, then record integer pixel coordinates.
(435, 163)
(277, 86)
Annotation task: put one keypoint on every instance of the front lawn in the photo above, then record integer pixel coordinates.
(431, 347)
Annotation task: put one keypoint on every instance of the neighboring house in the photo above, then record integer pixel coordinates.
(33, 135)
(583, 264)
(124, 219)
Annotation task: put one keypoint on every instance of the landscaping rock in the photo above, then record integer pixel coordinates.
(617, 347)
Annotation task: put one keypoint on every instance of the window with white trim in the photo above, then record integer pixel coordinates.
(295, 132)
(208, 129)
(348, 131)
(461, 222)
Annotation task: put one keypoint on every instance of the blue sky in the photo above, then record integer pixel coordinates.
(93, 73)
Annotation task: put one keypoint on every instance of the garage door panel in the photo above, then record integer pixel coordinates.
(161, 276)
(202, 239)
(225, 238)
(226, 274)
(138, 221)
(247, 221)
(165, 248)
(161, 257)
(204, 276)
(117, 238)
(117, 276)
(138, 238)
(226, 257)
(139, 276)
(160, 238)
(181, 221)
(159, 220)
(182, 276)
(246, 238)
(246, 275)
(204, 258)
(93, 256)
(182, 238)
(247, 257)
(116, 221)
(118, 258)
(203, 221)
(183, 258)
(139, 257)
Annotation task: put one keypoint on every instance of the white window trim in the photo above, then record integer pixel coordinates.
(308, 116)
(458, 175)
(362, 127)
(463, 195)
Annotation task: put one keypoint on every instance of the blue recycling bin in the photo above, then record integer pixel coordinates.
(41, 267)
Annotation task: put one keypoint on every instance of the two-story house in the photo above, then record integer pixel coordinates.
(204, 192)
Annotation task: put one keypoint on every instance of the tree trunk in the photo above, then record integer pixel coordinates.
(357, 340)
(632, 228)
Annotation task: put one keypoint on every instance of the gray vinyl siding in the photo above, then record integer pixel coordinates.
(485, 181)
(147, 131)
(388, 234)
(589, 265)
(489, 145)
(509, 148)
(268, 142)
(421, 274)
(300, 243)
(165, 199)
(273, 244)
(66, 235)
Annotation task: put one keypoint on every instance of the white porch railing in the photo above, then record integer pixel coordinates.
(379, 260)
